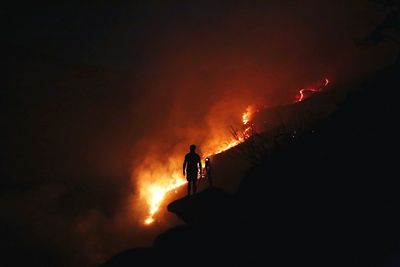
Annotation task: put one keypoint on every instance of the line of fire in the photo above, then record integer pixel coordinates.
(154, 192)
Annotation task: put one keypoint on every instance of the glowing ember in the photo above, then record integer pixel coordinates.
(300, 97)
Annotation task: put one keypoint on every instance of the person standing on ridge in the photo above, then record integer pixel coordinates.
(191, 168)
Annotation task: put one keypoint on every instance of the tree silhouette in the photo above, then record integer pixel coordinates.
(388, 29)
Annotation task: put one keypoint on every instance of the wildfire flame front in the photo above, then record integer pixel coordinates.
(156, 191)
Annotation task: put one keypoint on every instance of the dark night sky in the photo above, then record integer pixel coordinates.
(119, 35)
(89, 81)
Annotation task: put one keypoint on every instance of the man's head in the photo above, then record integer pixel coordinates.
(192, 148)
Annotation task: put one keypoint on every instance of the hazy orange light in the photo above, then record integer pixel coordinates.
(154, 191)
(157, 181)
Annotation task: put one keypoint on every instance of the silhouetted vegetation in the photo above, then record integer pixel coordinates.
(255, 146)
(388, 29)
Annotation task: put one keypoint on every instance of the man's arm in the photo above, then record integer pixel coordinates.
(184, 166)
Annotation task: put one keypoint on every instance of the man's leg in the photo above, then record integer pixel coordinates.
(188, 188)
(194, 186)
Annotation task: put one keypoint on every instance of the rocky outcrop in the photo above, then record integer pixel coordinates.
(208, 206)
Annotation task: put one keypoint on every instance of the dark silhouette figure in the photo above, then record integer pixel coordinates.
(207, 168)
(191, 168)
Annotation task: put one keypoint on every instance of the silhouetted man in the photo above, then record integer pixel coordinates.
(191, 168)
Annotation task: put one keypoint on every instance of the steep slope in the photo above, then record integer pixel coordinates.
(327, 197)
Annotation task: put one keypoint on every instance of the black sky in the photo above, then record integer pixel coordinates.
(119, 35)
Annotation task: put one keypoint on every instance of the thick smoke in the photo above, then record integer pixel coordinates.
(202, 80)
(81, 139)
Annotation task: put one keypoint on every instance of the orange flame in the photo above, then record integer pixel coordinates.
(248, 114)
(154, 192)
(300, 97)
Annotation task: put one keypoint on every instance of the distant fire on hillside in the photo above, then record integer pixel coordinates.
(306, 92)
(157, 179)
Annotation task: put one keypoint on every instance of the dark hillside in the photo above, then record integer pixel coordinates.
(327, 196)
(330, 194)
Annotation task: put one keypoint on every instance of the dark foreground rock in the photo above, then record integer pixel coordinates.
(209, 206)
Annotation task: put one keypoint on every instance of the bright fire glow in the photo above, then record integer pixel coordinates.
(248, 115)
(318, 88)
(155, 184)
(155, 192)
